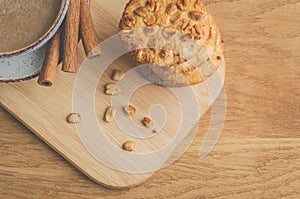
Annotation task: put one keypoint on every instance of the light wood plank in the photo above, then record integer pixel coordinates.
(258, 153)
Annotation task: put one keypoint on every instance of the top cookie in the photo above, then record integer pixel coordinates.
(179, 36)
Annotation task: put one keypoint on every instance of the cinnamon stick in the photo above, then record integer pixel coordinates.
(88, 32)
(71, 37)
(49, 69)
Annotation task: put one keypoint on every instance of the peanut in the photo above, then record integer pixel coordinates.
(130, 110)
(128, 146)
(109, 114)
(117, 75)
(147, 121)
(141, 11)
(112, 89)
(73, 118)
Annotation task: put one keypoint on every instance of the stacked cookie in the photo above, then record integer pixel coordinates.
(178, 37)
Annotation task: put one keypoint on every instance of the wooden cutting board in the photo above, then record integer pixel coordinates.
(44, 110)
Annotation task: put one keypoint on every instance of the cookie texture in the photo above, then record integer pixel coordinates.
(178, 37)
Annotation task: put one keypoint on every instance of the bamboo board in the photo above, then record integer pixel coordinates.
(43, 111)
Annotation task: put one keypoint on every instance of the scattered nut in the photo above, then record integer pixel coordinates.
(148, 58)
(186, 24)
(139, 54)
(109, 114)
(171, 9)
(150, 20)
(129, 20)
(196, 32)
(141, 11)
(152, 5)
(147, 122)
(157, 5)
(196, 15)
(182, 5)
(166, 52)
(117, 75)
(112, 89)
(163, 54)
(176, 18)
(128, 146)
(73, 118)
(130, 110)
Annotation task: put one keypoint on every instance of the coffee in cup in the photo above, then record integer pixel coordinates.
(24, 22)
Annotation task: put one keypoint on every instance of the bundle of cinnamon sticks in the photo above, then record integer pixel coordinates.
(78, 23)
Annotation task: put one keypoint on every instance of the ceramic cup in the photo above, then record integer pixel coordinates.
(23, 64)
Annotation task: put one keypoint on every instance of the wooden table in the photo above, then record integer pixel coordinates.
(258, 153)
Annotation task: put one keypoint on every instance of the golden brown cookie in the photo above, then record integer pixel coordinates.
(179, 37)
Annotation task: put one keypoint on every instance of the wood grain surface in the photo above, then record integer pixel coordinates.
(258, 153)
(97, 151)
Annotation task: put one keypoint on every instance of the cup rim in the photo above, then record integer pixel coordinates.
(38, 43)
